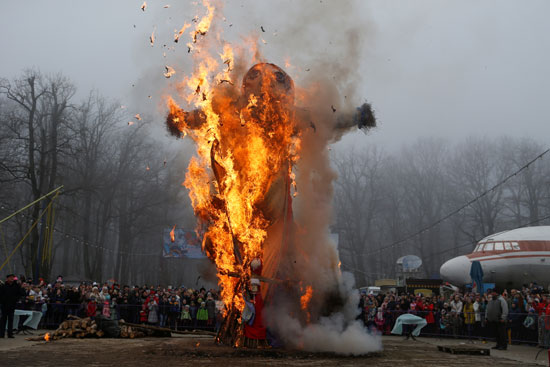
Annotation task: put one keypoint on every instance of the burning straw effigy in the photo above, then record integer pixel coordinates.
(276, 265)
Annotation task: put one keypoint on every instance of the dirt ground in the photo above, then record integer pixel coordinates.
(203, 352)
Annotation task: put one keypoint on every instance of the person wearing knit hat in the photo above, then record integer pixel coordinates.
(185, 317)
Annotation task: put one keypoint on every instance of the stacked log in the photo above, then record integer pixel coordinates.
(73, 328)
(78, 328)
(127, 331)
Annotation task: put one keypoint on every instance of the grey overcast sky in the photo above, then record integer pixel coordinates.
(430, 67)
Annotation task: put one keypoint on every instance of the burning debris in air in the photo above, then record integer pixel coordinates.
(152, 38)
(178, 34)
(169, 71)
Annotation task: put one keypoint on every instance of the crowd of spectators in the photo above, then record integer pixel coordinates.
(174, 307)
(464, 314)
(454, 315)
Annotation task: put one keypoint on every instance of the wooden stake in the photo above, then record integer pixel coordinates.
(156, 328)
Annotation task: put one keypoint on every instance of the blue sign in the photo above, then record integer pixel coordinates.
(185, 244)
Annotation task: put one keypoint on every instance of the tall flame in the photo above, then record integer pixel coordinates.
(244, 147)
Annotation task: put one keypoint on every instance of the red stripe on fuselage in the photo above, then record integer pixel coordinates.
(524, 246)
(512, 257)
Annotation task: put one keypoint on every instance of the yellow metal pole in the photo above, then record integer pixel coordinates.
(31, 204)
(24, 237)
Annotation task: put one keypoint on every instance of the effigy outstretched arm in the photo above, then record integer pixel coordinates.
(178, 120)
(363, 118)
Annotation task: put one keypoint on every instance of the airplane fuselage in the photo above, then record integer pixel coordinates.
(508, 259)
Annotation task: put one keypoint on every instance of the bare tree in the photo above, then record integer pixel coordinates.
(358, 199)
(475, 169)
(423, 179)
(42, 106)
(527, 194)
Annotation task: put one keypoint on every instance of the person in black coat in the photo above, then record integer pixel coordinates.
(10, 292)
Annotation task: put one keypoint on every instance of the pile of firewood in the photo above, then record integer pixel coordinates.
(77, 328)
(127, 331)
(73, 328)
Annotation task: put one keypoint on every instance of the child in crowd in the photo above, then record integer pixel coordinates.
(185, 318)
(202, 316)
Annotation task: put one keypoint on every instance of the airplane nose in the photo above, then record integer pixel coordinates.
(456, 271)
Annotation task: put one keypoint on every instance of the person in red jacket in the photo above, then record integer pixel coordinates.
(91, 308)
(420, 305)
(540, 307)
(430, 319)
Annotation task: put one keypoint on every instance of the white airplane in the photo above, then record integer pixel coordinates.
(509, 259)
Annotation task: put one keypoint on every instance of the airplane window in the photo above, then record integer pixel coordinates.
(476, 249)
(507, 246)
(480, 247)
(515, 246)
(488, 247)
(499, 246)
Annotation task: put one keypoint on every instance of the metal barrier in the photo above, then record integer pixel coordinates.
(54, 314)
(535, 331)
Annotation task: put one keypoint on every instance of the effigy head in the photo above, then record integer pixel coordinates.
(268, 80)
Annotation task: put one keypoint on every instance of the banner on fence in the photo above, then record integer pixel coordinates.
(184, 243)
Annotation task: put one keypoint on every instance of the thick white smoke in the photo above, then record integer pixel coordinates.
(313, 259)
(339, 333)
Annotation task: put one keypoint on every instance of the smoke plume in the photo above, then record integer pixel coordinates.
(329, 97)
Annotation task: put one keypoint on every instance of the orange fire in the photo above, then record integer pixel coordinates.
(178, 34)
(306, 297)
(304, 302)
(172, 234)
(246, 146)
(47, 337)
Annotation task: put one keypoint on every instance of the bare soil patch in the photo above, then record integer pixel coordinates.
(204, 352)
